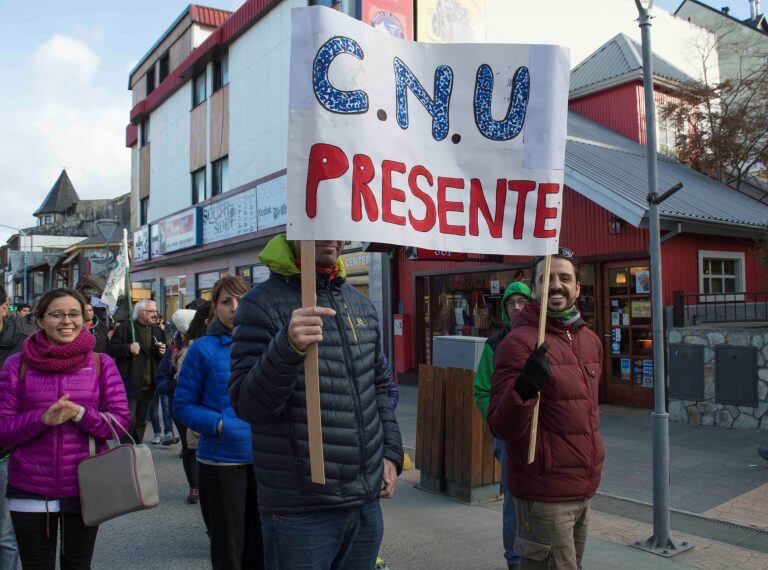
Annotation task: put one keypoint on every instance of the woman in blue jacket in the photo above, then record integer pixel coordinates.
(224, 453)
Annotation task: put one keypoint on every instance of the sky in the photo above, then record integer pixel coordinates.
(64, 100)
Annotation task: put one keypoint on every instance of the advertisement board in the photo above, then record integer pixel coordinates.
(141, 244)
(177, 232)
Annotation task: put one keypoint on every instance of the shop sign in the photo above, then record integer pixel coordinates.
(394, 17)
(641, 309)
(177, 232)
(356, 263)
(435, 255)
(417, 147)
(271, 200)
(141, 245)
(231, 217)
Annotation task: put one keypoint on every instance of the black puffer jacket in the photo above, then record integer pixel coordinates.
(267, 389)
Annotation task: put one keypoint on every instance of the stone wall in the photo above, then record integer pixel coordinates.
(709, 412)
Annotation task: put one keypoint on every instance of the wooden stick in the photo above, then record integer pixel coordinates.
(311, 370)
(542, 332)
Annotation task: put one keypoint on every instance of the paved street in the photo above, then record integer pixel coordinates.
(424, 530)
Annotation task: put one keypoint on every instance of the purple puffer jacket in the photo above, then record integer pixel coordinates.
(44, 460)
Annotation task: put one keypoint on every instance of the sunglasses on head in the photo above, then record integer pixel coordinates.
(561, 252)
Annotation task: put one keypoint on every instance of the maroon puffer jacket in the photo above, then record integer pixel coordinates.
(569, 448)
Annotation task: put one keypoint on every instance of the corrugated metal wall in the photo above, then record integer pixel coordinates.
(615, 108)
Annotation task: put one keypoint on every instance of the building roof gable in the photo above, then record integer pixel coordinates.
(617, 61)
(758, 24)
(60, 197)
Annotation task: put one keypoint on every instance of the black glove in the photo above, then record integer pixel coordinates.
(535, 374)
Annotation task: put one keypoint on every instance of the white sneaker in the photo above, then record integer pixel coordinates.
(158, 439)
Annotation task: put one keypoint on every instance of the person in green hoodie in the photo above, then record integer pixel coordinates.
(516, 297)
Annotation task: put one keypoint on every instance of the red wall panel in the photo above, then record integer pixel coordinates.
(616, 108)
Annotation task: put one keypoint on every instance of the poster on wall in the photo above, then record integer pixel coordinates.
(177, 232)
(141, 244)
(417, 146)
(643, 281)
(451, 21)
(394, 17)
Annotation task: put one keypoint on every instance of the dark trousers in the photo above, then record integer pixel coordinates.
(187, 455)
(139, 413)
(36, 536)
(345, 539)
(160, 403)
(231, 511)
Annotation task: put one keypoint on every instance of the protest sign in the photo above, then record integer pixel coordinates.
(456, 147)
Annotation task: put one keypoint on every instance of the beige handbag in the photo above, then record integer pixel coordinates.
(118, 481)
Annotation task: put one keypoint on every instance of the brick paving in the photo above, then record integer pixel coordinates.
(751, 508)
(706, 554)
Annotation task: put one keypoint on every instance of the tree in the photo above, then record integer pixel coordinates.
(723, 123)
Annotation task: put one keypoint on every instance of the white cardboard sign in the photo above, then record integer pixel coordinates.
(454, 147)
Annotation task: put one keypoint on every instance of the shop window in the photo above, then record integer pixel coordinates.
(198, 89)
(173, 295)
(143, 211)
(205, 282)
(253, 274)
(163, 66)
(198, 186)
(721, 274)
(150, 80)
(220, 72)
(220, 176)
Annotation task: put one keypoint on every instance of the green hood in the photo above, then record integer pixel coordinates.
(514, 288)
(278, 255)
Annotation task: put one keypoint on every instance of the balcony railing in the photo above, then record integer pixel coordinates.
(740, 307)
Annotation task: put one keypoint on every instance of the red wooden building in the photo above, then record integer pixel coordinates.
(709, 232)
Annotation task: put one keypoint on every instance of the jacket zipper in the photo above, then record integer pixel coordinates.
(58, 443)
(349, 318)
(353, 381)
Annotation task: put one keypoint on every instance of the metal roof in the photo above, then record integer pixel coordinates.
(610, 170)
(620, 58)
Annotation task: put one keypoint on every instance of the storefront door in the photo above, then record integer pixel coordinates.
(628, 336)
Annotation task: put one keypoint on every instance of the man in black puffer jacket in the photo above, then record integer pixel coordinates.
(339, 522)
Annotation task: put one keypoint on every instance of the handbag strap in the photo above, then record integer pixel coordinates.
(111, 422)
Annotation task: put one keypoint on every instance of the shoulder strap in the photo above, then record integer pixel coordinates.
(97, 363)
(22, 372)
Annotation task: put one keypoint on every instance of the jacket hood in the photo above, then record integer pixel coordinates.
(514, 288)
(279, 256)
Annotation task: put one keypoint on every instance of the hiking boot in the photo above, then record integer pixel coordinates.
(168, 439)
(763, 452)
(380, 564)
(194, 496)
(157, 440)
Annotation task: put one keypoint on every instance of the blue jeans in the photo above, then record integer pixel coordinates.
(9, 552)
(323, 540)
(154, 414)
(509, 532)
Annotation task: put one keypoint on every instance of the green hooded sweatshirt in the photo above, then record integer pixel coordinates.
(484, 373)
(279, 256)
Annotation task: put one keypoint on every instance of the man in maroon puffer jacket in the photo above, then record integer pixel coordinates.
(552, 495)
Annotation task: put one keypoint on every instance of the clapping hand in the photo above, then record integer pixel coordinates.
(60, 412)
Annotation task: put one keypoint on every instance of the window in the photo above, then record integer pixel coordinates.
(163, 66)
(669, 135)
(48, 219)
(151, 80)
(198, 89)
(198, 186)
(721, 273)
(220, 176)
(143, 211)
(220, 72)
(144, 129)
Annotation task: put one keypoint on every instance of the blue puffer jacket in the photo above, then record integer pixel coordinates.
(201, 400)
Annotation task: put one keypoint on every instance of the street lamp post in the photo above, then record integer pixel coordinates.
(660, 542)
(52, 259)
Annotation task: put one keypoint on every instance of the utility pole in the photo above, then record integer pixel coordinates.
(660, 542)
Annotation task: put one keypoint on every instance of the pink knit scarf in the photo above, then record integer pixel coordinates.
(41, 355)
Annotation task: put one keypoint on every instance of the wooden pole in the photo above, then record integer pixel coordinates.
(542, 332)
(311, 370)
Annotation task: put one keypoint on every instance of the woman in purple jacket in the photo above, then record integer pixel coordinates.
(51, 396)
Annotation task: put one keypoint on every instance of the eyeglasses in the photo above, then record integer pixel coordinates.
(58, 316)
(149, 311)
(517, 302)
